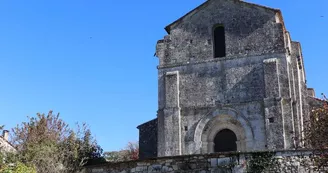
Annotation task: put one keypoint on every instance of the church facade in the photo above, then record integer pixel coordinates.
(230, 78)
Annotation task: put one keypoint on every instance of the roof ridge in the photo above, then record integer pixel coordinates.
(318, 99)
(146, 122)
(168, 27)
(258, 5)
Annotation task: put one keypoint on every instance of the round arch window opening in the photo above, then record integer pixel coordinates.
(225, 140)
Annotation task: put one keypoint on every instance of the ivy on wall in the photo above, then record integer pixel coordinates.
(261, 161)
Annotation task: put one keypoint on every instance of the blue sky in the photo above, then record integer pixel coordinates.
(92, 60)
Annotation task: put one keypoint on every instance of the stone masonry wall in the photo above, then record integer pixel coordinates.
(148, 139)
(249, 31)
(258, 90)
(287, 161)
(193, 84)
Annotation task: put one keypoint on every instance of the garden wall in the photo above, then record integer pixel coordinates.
(235, 162)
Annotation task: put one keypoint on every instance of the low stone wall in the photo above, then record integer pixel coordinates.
(235, 162)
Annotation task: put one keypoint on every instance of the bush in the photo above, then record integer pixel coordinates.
(17, 167)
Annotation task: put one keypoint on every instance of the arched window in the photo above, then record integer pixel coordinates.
(219, 41)
(225, 140)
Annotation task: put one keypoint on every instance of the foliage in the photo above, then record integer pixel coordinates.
(18, 167)
(317, 127)
(112, 156)
(261, 161)
(11, 164)
(47, 142)
(130, 152)
(316, 133)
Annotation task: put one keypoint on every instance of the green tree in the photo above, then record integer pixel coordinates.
(17, 167)
(9, 163)
(48, 143)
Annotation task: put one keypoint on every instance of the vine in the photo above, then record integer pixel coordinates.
(261, 161)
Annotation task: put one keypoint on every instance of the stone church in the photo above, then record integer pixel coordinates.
(230, 78)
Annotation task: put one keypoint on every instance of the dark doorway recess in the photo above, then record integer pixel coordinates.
(225, 140)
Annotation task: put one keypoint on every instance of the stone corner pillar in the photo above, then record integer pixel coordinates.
(169, 118)
(272, 105)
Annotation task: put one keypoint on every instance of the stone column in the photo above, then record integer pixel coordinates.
(286, 93)
(171, 116)
(297, 109)
(272, 105)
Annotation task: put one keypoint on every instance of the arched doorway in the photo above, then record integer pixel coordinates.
(218, 121)
(225, 140)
